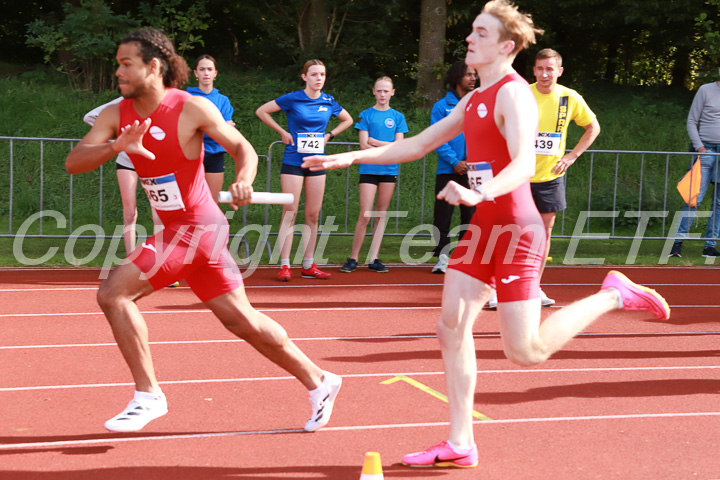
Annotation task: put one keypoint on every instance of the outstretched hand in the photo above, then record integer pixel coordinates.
(327, 162)
(456, 194)
(130, 139)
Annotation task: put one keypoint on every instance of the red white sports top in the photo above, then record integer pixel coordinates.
(195, 205)
(485, 143)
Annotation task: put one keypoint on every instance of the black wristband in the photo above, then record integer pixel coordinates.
(331, 135)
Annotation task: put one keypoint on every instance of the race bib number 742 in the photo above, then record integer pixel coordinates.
(311, 143)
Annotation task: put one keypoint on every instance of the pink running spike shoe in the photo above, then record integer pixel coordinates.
(442, 455)
(637, 297)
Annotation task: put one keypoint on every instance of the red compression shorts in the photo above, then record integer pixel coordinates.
(198, 256)
(506, 257)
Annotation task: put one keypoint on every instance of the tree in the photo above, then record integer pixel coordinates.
(82, 45)
(431, 55)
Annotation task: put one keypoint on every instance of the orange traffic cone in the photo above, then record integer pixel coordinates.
(372, 468)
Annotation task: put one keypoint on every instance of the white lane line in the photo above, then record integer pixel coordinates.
(376, 337)
(309, 309)
(204, 310)
(364, 285)
(327, 430)
(372, 375)
(248, 287)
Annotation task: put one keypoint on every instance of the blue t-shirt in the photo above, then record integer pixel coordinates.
(305, 115)
(381, 125)
(223, 104)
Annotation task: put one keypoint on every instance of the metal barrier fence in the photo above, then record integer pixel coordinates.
(601, 195)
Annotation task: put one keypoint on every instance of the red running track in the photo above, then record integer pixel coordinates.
(630, 398)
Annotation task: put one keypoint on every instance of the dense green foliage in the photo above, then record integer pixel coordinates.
(651, 42)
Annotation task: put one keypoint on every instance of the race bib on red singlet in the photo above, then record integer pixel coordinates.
(478, 174)
(163, 192)
(308, 142)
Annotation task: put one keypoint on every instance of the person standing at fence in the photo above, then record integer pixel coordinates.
(557, 106)
(703, 127)
(127, 184)
(161, 128)
(214, 162)
(452, 165)
(308, 114)
(500, 121)
(376, 126)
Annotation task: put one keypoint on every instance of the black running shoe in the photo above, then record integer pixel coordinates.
(710, 252)
(349, 266)
(676, 250)
(376, 266)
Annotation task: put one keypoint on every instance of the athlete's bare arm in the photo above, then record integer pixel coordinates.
(264, 113)
(94, 149)
(204, 117)
(405, 150)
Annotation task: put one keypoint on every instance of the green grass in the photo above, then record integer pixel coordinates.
(39, 103)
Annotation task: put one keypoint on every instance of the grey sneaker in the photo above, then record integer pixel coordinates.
(492, 303)
(442, 264)
(546, 301)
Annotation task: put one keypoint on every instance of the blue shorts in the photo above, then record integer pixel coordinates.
(214, 162)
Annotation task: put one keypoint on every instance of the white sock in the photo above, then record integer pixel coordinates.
(456, 449)
(148, 396)
(307, 262)
(284, 262)
(313, 392)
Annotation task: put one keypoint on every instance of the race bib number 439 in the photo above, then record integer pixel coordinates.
(478, 174)
(547, 143)
(163, 192)
(311, 143)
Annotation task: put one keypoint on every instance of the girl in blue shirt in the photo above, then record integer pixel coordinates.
(377, 126)
(214, 161)
(308, 113)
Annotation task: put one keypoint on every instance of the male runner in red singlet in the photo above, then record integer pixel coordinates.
(503, 248)
(161, 128)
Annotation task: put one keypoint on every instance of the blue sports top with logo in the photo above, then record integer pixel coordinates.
(381, 125)
(307, 118)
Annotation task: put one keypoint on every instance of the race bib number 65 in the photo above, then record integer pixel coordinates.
(163, 192)
(311, 143)
(478, 174)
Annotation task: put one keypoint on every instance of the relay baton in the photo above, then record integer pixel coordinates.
(261, 198)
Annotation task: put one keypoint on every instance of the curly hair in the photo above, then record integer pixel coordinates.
(153, 43)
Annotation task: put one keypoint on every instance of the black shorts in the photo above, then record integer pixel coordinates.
(123, 167)
(288, 169)
(214, 162)
(549, 196)
(377, 179)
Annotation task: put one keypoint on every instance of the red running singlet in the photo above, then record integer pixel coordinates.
(193, 243)
(505, 242)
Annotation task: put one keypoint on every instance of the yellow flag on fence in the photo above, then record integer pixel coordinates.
(689, 186)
